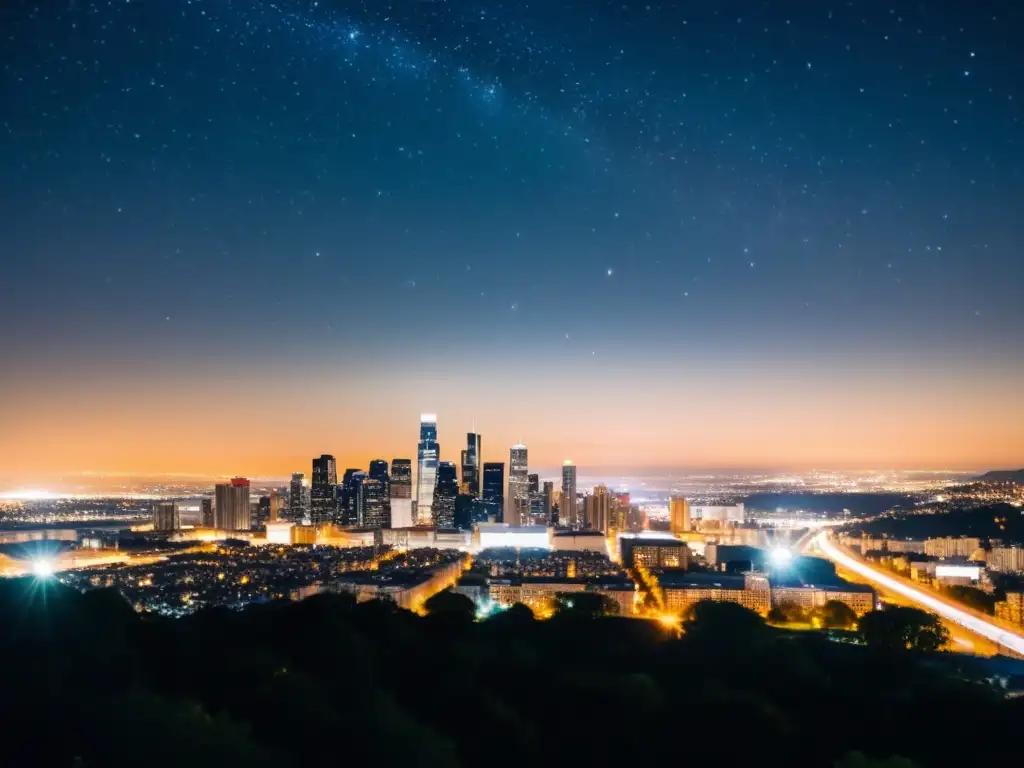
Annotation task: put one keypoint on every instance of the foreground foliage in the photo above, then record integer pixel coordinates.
(327, 682)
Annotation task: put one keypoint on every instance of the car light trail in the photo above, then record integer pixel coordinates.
(979, 626)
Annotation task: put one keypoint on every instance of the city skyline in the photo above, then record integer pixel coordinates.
(807, 255)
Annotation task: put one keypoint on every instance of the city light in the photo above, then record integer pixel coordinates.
(43, 567)
(781, 557)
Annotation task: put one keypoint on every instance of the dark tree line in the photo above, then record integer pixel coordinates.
(326, 681)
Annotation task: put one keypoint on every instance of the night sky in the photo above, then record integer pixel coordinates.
(239, 233)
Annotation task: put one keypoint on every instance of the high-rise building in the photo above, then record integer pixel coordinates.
(494, 489)
(567, 515)
(518, 501)
(471, 465)
(262, 512)
(277, 505)
(401, 493)
(370, 503)
(231, 512)
(549, 502)
(379, 472)
(620, 511)
(208, 518)
(324, 490)
(296, 497)
(426, 467)
(533, 482)
(347, 497)
(165, 516)
(445, 494)
(597, 509)
(679, 514)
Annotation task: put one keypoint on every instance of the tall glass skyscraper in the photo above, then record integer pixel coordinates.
(379, 472)
(323, 492)
(494, 489)
(297, 498)
(426, 468)
(232, 510)
(401, 493)
(567, 508)
(445, 494)
(518, 509)
(471, 465)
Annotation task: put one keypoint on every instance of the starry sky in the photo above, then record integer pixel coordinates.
(239, 233)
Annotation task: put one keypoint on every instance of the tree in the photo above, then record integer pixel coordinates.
(788, 612)
(585, 604)
(860, 760)
(448, 603)
(901, 628)
(835, 614)
(722, 621)
(973, 597)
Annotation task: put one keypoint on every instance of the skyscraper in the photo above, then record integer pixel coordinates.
(549, 502)
(208, 518)
(296, 497)
(494, 489)
(445, 494)
(379, 472)
(534, 482)
(679, 514)
(323, 494)
(231, 512)
(277, 505)
(567, 511)
(518, 502)
(597, 509)
(471, 465)
(401, 493)
(426, 467)
(347, 497)
(165, 516)
(370, 510)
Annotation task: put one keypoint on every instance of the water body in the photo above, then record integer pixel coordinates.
(859, 504)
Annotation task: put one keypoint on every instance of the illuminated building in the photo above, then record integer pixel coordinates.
(231, 512)
(426, 468)
(518, 501)
(379, 472)
(421, 537)
(859, 597)
(567, 515)
(1006, 559)
(653, 552)
(548, 493)
(401, 493)
(323, 491)
(494, 489)
(680, 590)
(725, 515)
(471, 457)
(579, 541)
(208, 518)
(165, 516)
(1012, 608)
(277, 506)
(952, 547)
(948, 572)
(540, 593)
(533, 482)
(261, 513)
(297, 497)
(445, 494)
(490, 535)
(280, 532)
(190, 511)
(618, 511)
(370, 509)
(347, 493)
(679, 515)
(596, 509)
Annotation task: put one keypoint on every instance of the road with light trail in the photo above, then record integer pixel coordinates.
(1005, 638)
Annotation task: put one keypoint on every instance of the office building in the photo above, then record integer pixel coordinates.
(949, 546)
(597, 509)
(426, 468)
(370, 503)
(231, 512)
(296, 497)
(277, 505)
(859, 597)
(653, 552)
(494, 490)
(518, 501)
(262, 512)
(679, 515)
(445, 494)
(165, 516)
(400, 492)
(323, 491)
(190, 512)
(619, 510)
(347, 492)
(533, 481)
(718, 515)
(548, 493)
(208, 517)
(379, 472)
(1006, 559)
(567, 515)
(1012, 608)
(680, 590)
(471, 458)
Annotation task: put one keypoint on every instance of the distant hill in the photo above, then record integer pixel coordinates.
(998, 521)
(1004, 476)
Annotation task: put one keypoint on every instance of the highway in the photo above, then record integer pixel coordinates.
(969, 621)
